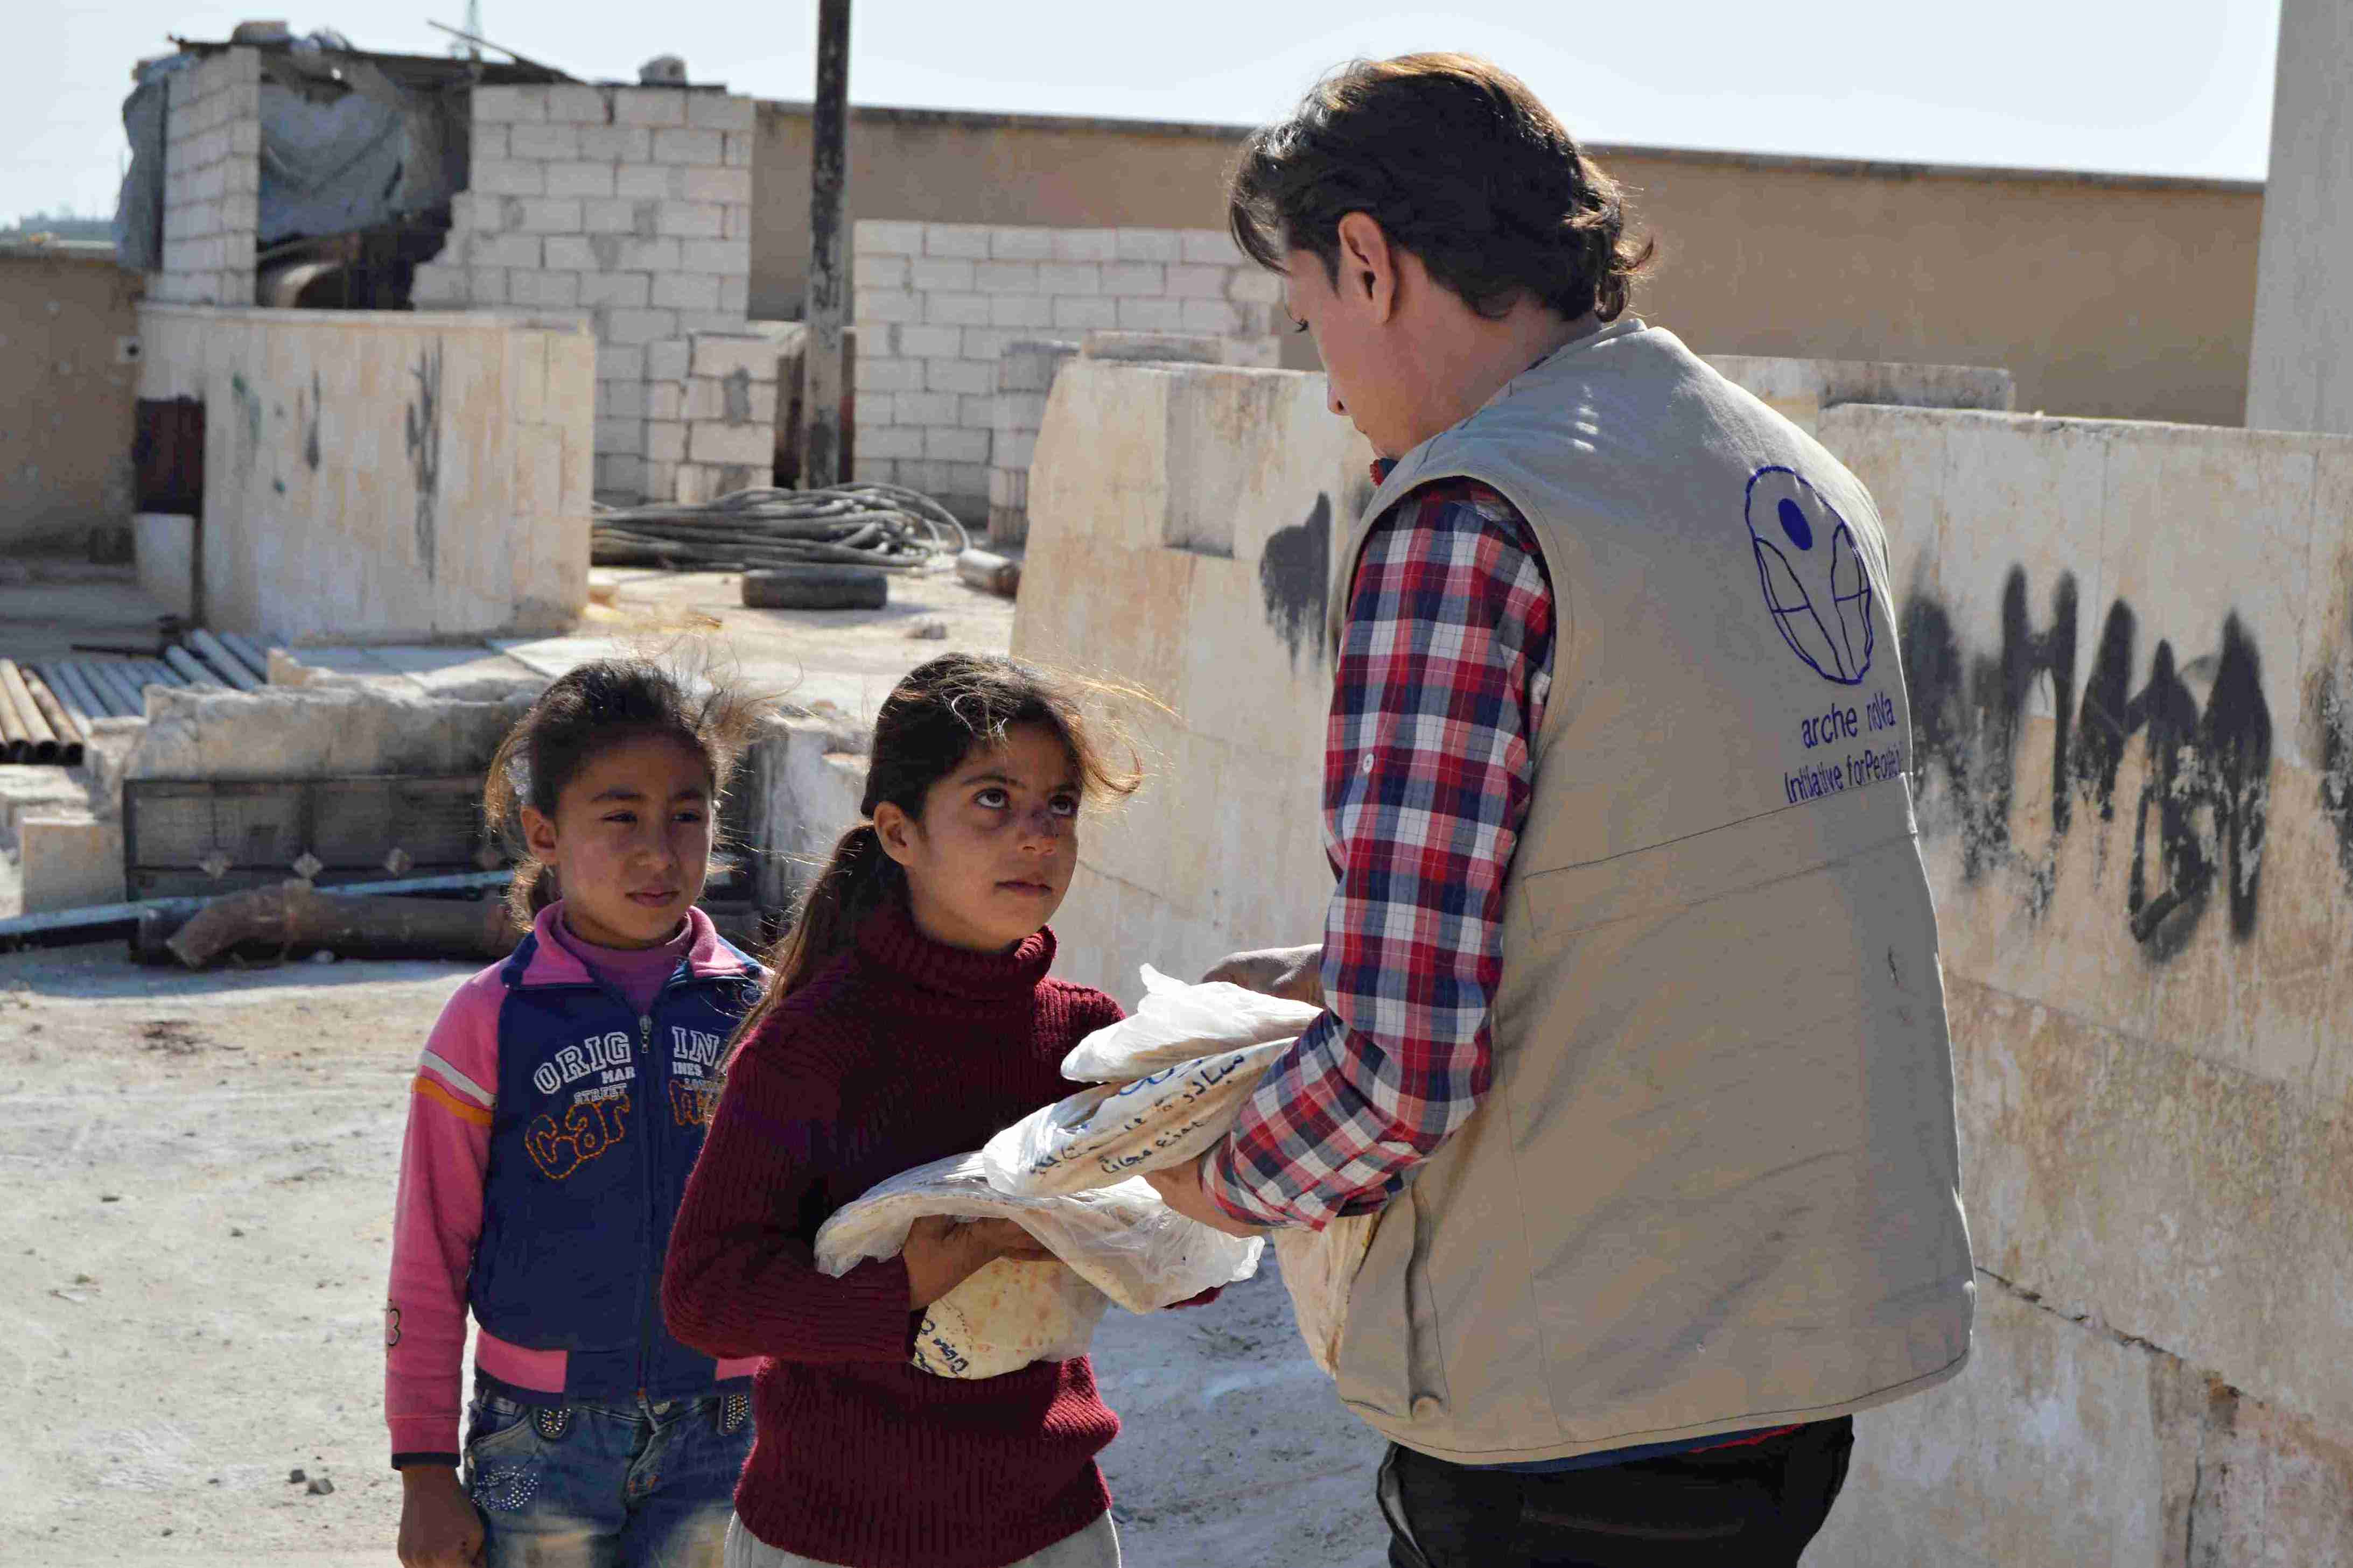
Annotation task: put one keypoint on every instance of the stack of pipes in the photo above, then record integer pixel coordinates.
(45, 711)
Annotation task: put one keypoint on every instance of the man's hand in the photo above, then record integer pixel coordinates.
(1294, 974)
(1179, 1188)
(942, 1254)
(438, 1526)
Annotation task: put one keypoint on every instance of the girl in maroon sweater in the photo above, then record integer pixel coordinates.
(909, 1016)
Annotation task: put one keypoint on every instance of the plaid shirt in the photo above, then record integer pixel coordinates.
(1443, 673)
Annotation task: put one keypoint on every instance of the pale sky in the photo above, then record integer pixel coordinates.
(2172, 87)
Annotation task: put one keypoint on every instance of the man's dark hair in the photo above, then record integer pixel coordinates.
(1460, 164)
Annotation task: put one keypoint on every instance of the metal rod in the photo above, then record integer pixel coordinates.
(224, 663)
(255, 656)
(821, 364)
(40, 742)
(15, 738)
(111, 914)
(156, 672)
(116, 680)
(73, 689)
(192, 672)
(61, 724)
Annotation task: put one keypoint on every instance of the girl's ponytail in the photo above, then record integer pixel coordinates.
(858, 879)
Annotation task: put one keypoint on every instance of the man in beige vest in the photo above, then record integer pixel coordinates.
(1635, 1036)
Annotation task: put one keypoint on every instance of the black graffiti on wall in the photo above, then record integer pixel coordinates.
(2205, 793)
(2332, 705)
(1291, 573)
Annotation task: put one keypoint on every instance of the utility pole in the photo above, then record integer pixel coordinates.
(827, 287)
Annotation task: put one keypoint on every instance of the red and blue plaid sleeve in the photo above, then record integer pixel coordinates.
(1442, 677)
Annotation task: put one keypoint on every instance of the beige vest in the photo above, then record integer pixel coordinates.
(1714, 1183)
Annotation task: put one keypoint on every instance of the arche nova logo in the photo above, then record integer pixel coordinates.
(1815, 583)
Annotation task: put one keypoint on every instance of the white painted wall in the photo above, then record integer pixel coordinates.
(382, 475)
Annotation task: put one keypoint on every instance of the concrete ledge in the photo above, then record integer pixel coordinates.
(69, 861)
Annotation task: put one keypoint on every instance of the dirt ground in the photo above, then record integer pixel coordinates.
(196, 1180)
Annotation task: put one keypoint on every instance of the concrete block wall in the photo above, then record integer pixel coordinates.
(630, 204)
(2132, 738)
(937, 303)
(1025, 375)
(212, 182)
(711, 426)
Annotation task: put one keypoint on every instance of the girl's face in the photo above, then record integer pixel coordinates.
(991, 857)
(630, 841)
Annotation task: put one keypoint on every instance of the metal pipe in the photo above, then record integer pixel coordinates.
(103, 702)
(15, 739)
(40, 742)
(107, 914)
(191, 672)
(156, 672)
(116, 681)
(821, 369)
(68, 734)
(210, 649)
(255, 656)
(73, 689)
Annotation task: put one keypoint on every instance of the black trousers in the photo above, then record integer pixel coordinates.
(1756, 1506)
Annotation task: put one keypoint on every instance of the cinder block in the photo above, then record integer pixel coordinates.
(644, 181)
(874, 236)
(680, 146)
(1070, 277)
(976, 411)
(740, 145)
(737, 221)
(893, 375)
(545, 143)
(648, 326)
(69, 861)
(924, 408)
(716, 111)
(666, 438)
(931, 342)
(1162, 245)
(619, 362)
(1085, 315)
(868, 271)
(726, 258)
(1134, 279)
(886, 440)
(1030, 366)
(1195, 282)
(1212, 316)
(575, 104)
(686, 291)
(621, 400)
(649, 105)
(1261, 320)
(1212, 247)
(735, 296)
(661, 480)
(688, 220)
(718, 357)
(710, 442)
(486, 285)
(1022, 243)
(621, 436)
(670, 360)
(722, 186)
(1006, 276)
(965, 241)
(1254, 286)
(476, 212)
(616, 143)
(960, 375)
(543, 290)
(1086, 245)
(1020, 311)
(665, 400)
(566, 253)
(887, 305)
(1017, 411)
(434, 285)
(932, 276)
(732, 402)
(1013, 449)
(620, 474)
(955, 446)
(506, 177)
(932, 478)
(1152, 315)
(967, 483)
(548, 215)
(946, 309)
(873, 409)
(609, 215)
(984, 343)
(875, 341)
(513, 105)
(580, 180)
(527, 251)
(874, 470)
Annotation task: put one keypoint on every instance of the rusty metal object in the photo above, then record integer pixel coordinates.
(61, 724)
(990, 573)
(30, 739)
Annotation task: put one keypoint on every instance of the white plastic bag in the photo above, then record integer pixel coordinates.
(1115, 1132)
(1116, 1244)
(1178, 1022)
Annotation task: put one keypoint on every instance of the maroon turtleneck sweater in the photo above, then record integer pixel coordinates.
(899, 1052)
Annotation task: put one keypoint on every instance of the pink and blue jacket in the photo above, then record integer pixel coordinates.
(552, 1128)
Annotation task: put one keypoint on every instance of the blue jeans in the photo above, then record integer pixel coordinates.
(597, 1484)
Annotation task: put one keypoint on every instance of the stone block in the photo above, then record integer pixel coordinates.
(710, 442)
(666, 400)
(717, 357)
(1086, 245)
(726, 258)
(616, 143)
(932, 275)
(572, 103)
(644, 181)
(1020, 311)
(960, 375)
(545, 143)
(891, 375)
(68, 861)
(717, 111)
(648, 326)
(1022, 243)
(486, 285)
(506, 177)
(543, 290)
(984, 343)
(686, 291)
(976, 411)
(741, 146)
(884, 304)
(873, 409)
(872, 236)
(1085, 315)
(1134, 279)
(689, 220)
(660, 481)
(617, 362)
(541, 215)
(679, 146)
(666, 438)
(1016, 410)
(670, 360)
(565, 253)
(580, 180)
(1212, 247)
(434, 285)
(955, 446)
(513, 105)
(736, 220)
(623, 253)
(887, 273)
(1197, 282)
(1254, 286)
(889, 440)
(931, 342)
(1152, 315)
(734, 401)
(963, 241)
(651, 107)
(923, 409)
(621, 400)
(1214, 317)
(621, 436)
(725, 187)
(1006, 276)
(1068, 279)
(1156, 245)
(1013, 449)
(620, 474)
(947, 310)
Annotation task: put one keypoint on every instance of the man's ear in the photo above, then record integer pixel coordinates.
(1368, 265)
(895, 829)
(539, 833)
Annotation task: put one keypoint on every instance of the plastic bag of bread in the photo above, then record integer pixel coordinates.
(1176, 1023)
(1117, 1131)
(1117, 1243)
